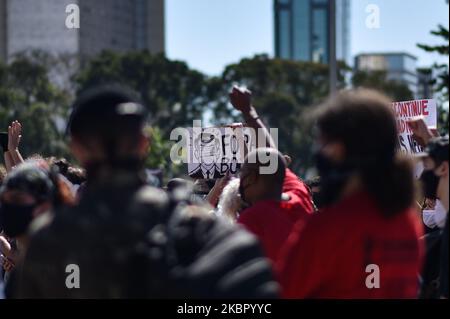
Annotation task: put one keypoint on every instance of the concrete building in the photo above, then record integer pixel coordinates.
(424, 85)
(3, 51)
(399, 66)
(104, 24)
(302, 30)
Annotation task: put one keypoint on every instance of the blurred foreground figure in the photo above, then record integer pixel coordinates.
(126, 239)
(364, 243)
(28, 196)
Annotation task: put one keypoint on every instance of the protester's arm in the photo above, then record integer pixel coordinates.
(241, 101)
(8, 161)
(14, 137)
(292, 182)
(214, 194)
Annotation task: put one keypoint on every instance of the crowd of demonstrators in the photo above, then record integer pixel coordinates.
(28, 197)
(367, 222)
(130, 239)
(353, 231)
(434, 276)
(435, 181)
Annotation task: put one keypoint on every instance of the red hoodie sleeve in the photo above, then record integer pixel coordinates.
(293, 185)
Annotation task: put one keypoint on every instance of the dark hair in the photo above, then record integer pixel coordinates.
(95, 116)
(40, 181)
(64, 195)
(174, 183)
(313, 182)
(74, 174)
(364, 121)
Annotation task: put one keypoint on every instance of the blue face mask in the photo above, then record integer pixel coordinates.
(15, 219)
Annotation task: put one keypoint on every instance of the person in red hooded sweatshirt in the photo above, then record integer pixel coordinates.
(364, 242)
(275, 196)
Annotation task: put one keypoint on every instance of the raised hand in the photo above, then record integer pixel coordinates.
(241, 99)
(216, 191)
(421, 133)
(14, 135)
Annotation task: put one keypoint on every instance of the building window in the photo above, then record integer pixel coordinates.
(302, 27)
(320, 35)
(284, 34)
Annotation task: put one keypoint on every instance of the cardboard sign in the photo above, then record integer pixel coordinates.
(212, 152)
(405, 111)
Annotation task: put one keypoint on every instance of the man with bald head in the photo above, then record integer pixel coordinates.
(255, 185)
(276, 198)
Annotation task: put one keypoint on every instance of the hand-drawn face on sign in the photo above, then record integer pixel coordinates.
(216, 151)
(207, 153)
(207, 148)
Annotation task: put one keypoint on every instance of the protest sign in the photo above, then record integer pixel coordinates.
(405, 111)
(214, 151)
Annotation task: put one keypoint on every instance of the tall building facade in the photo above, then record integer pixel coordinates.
(3, 51)
(104, 24)
(400, 67)
(424, 83)
(302, 30)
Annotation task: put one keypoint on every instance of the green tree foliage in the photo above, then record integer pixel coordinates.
(283, 92)
(378, 80)
(159, 155)
(173, 93)
(442, 79)
(27, 94)
(442, 76)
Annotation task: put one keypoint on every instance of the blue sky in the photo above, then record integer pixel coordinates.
(209, 34)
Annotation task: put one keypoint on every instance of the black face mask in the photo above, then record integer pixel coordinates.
(15, 219)
(430, 182)
(333, 177)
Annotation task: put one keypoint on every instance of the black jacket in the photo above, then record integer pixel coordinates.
(132, 241)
